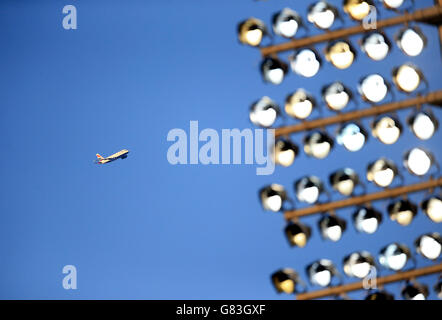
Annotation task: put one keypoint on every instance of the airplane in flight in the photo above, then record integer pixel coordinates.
(122, 154)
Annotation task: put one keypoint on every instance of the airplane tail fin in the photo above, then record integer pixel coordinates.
(99, 157)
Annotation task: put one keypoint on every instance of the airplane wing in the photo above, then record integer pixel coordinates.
(118, 154)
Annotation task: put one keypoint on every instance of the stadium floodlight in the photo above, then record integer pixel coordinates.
(386, 129)
(423, 124)
(321, 272)
(285, 280)
(438, 288)
(415, 291)
(352, 136)
(392, 4)
(332, 227)
(318, 144)
(358, 9)
(308, 189)
(344, 181)
(411, 40)
(251, 32)
(340, 54)
(407, 77)
(285, 152)
(367, 220)
(402, 211)
(429, 245)
(336, 96)
(286, 23)
(432, 207)
(273, 197)
(264, 112)
(382, 172)
(418, 161)
(305, 62)
(358, 264)
(376, 46)
(297, 234)
(373, 88)
(273, 70)
(322, 14)
(300, 104)
(380, 295)
(394, 256)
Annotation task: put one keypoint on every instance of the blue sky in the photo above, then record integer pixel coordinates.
(141, 228)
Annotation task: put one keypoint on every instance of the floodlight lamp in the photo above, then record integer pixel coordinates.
(273, 70)
(251, 32)
(305, 62)
(264, 112)
(380, 295)
(387, 129)
(429, 245)
(297, 234)
(394, 256)
(344, 181)
(322, 14)
(308, 189)
(318, 144)
(382, 172)
(423, 124)
(352, 136)
(286, 23)
(402, 211)
(407, 78)
(376, 46)
(332, 227)
(336, 96)
(415, 291)
(358, 264)
(358, 9)
(285, 152)
(373, 88)
(285, 280)
(300, 104)
(340, 54)
(321, 272)
(411, 40)
(392, 4)
(432, 207)
(273, 197)
(367, 220)
(418, 161)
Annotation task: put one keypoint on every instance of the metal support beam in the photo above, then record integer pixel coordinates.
(431, 98)
(430, 15)
(358, 200)
(399, 276)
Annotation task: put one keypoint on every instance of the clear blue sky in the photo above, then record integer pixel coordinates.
(141, 228)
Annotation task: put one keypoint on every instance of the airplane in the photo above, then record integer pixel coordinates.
(119, 155)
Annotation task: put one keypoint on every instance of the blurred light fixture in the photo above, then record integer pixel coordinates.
(321, 272)
(357, 9)
(308, 189)
(411, 40)
(344, 181)
(352, 136)
(318, 144)
(392, 4)
(332, 227)
(340, 54)
(300, 104)
(375, 45)
(273, 197)
(286, 23)
(297, 233)
(273, 70)
(264, 112)
(402, 211)
(387, 129)
(336, 96)
(367, 220)
(438, 288)
(373, 88)
(423, 124)
(322, 14)
(429, 245)
(394, 256)
(415, 291)
(285, 152)
(285, 280)
(251, 32)
(380, 295)
(305, 63)
(432, 207)
(358, 264)
(407, 77)
(418, 161)
(382, 172)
